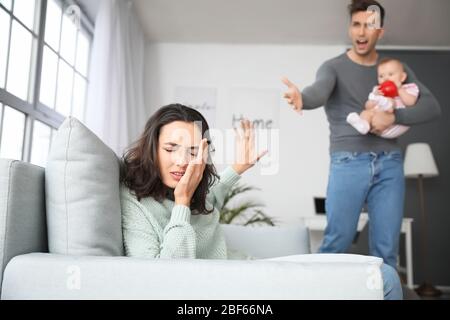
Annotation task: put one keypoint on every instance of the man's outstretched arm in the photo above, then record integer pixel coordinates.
(315, 95)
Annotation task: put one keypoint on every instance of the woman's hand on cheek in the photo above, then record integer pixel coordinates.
(246, 155)
(191, 179)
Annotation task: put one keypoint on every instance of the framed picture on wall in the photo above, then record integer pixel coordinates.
(202, 99)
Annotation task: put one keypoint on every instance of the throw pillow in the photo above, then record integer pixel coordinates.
(82, 194)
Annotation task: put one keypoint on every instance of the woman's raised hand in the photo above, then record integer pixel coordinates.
(246, 155)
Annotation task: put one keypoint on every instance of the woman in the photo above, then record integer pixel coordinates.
(171, 194)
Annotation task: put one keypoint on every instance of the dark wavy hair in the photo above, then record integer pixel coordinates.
(140, 169)
(362, 5)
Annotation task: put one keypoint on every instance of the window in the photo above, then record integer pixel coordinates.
(66, 60)
(41, 143)
(19, 62)
(13, 128)
(44, 65)
(4, 43)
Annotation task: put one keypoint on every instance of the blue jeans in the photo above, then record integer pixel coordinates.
(392, 287)
(358, 178)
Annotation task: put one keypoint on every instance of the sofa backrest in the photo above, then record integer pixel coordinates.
(267, 242)
(22, 211)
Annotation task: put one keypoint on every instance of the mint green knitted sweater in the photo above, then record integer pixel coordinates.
(153, 229)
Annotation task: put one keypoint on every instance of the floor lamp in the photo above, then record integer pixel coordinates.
(420, 164)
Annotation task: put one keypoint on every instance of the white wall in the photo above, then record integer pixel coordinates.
(304, 142)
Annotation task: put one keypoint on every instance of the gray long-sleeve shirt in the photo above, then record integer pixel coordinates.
(342, 86)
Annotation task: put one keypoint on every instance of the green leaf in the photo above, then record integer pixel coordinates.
(243, 210)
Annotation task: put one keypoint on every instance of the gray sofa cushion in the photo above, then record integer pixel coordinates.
(267, 242)
(82, 194)
(22, 210)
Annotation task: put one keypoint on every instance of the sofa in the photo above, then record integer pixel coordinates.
(77, 252)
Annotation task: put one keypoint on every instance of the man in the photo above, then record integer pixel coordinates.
(364, 168)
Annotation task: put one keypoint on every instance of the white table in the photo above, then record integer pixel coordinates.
(319, 223)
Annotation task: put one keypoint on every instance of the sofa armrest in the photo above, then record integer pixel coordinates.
(22, 210)
(50, 276)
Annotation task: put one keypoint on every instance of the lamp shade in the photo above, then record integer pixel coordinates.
(419, 160)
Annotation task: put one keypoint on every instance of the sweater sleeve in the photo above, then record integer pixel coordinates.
(427, 108)
(219, 191)
(141, 239)
(179, 236)
(317, 94)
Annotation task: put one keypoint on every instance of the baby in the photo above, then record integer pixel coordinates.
(389, 95)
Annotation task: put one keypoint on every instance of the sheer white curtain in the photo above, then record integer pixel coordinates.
(115, 108)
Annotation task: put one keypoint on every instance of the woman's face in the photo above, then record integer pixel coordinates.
(178, 143)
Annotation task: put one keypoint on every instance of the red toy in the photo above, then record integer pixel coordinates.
(389, 89)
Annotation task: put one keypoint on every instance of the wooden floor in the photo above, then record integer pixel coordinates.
(409, 294)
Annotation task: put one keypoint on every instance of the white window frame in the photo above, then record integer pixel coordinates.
(35, 110)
